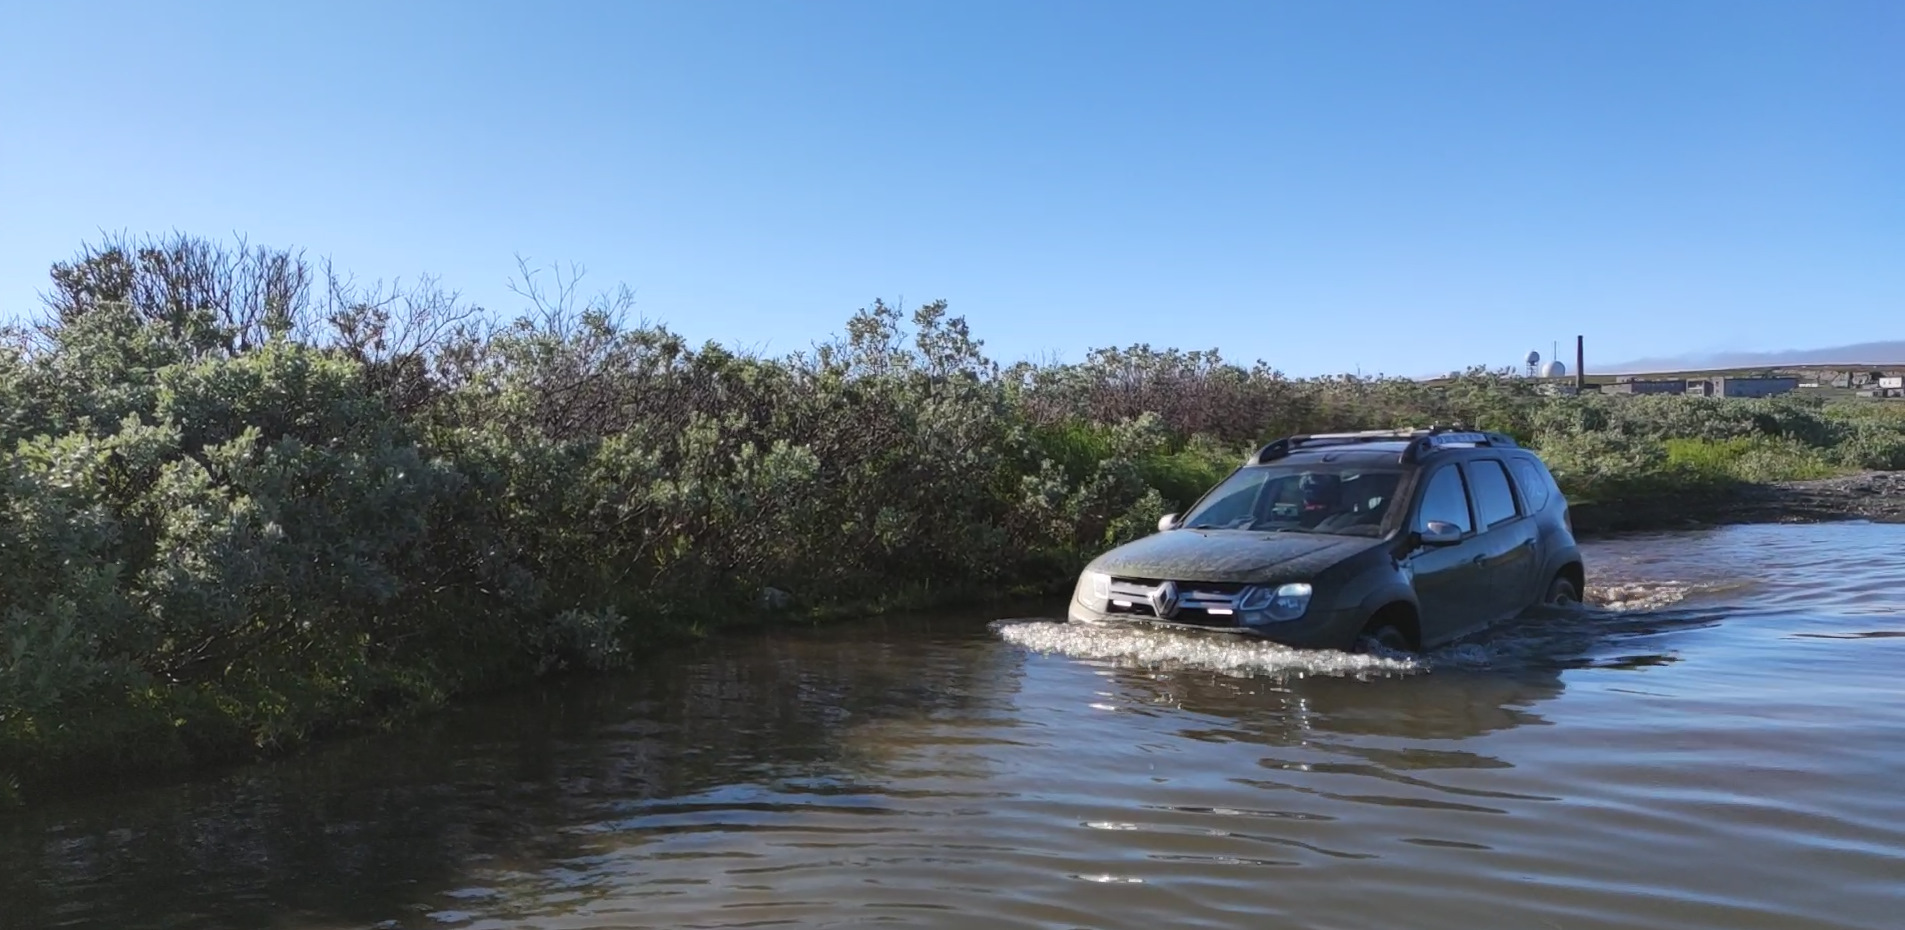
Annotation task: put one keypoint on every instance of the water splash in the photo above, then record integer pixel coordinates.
(1142, 647)
(1643, 595)
(1626, 617)
(1544, 636)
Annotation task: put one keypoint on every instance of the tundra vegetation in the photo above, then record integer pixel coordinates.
(248, 501)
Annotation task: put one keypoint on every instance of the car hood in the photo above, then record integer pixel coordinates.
(1229, 555)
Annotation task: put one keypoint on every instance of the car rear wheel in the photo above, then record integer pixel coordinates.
(1561, 593)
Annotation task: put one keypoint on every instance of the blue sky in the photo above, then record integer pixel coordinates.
(1403, 187)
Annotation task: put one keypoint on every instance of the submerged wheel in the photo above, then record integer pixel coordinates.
(1384, 634)
(1561, 593)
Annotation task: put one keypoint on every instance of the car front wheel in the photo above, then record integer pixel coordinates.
(1386, 635)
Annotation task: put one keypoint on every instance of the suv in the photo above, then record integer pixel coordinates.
(1407, 538)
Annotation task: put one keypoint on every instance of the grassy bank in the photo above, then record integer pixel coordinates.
(246, 503)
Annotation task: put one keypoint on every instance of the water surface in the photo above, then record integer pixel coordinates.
(1717, 742)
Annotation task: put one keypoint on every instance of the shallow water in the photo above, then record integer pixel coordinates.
(1717, 741)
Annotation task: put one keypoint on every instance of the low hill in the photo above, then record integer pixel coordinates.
(1889, 354)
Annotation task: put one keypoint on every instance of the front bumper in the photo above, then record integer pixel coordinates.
(1315, 630)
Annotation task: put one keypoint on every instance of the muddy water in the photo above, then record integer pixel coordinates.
(1718, 742)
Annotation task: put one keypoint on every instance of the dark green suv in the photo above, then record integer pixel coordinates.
(1407, 538)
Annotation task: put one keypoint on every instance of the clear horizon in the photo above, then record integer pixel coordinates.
(1397, 188)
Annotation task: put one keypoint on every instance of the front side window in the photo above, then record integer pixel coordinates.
(1296, 498)
(1445, 500)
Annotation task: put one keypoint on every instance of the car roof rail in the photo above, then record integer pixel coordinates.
(1421, 440)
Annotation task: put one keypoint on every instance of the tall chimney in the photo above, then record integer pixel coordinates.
(1580, 365)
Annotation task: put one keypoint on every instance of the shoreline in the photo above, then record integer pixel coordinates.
(1877, 496)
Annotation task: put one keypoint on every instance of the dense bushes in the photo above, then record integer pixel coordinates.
(245, 502)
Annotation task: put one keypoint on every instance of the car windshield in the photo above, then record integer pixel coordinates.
(1292, 498)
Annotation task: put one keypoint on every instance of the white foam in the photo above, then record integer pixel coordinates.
(1142, 647)
(1646, 595)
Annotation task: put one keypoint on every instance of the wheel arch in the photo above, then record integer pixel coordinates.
(1393, 599)
(1401, 614)
(1576, 575)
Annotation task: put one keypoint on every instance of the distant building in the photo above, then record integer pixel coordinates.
(1760, 386)
(1628, 384)
(1892, 382)
(1742, 387)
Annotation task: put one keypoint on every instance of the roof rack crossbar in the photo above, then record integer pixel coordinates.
(1421, 440)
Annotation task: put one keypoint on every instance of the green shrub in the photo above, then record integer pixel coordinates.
(234, 518)
(1758, 459)
(1598, 466)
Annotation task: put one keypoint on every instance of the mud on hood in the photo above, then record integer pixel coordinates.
(1228, 555)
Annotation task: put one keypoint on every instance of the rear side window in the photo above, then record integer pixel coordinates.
(1446, 500)
(1494, 498)
(1533, 484)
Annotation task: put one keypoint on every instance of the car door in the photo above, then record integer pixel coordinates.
(1447, 578)
(1507, 540)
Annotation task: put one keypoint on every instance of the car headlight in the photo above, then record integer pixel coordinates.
(1094, 591)
(1262, 604)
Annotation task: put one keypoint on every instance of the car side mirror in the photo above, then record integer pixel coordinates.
(1167, 522)
(1440, 533)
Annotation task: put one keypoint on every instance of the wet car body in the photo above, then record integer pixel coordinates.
(1434, 534)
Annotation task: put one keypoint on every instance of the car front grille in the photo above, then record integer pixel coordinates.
(1199, 603)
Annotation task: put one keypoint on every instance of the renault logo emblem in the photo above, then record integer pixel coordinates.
(1163, 600)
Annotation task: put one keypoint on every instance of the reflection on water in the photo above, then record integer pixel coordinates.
(1712, 742)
